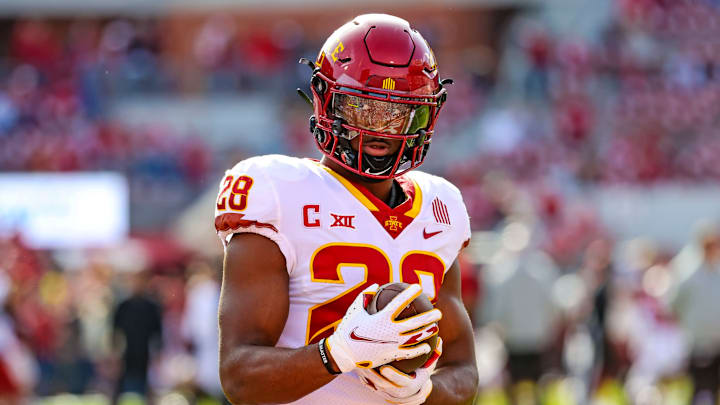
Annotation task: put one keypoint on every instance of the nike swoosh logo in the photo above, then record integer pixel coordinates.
(427, 235)
(358, 338)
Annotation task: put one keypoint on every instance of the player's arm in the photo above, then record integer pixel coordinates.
(254, 306)
(253, 309)
(455, 380)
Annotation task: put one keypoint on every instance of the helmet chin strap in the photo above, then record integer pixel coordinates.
(375, 165)
(378, 165)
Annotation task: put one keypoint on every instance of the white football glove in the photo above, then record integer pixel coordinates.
(399, 388)
(362, 340)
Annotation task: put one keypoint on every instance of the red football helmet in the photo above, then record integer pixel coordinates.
(375, 76)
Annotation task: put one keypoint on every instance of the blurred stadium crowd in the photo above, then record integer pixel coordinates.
(565, 313)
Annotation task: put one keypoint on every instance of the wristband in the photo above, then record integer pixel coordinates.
(325, 359)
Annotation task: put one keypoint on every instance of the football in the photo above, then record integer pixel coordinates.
(421, 304)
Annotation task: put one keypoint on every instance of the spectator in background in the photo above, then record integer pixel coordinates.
(695, 302)
(200, 326)
(18, 371)
(538, 47)
(596, 271)
(521, 304)
(656, 342)
(137, 321)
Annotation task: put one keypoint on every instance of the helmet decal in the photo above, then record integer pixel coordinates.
(388, 84)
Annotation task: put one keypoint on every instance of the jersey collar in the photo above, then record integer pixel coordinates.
(393, 220)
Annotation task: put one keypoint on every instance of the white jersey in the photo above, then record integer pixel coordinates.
(338, 239)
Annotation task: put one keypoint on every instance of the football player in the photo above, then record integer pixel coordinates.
(308, 242)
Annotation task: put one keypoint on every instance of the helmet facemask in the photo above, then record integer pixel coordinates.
(352, 113)
(379, 117)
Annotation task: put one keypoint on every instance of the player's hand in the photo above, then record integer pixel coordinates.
(400, 388)
(362, 340)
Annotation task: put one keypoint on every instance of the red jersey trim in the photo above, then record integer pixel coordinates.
(229, 221)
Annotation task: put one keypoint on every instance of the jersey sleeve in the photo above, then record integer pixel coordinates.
(248, 202)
